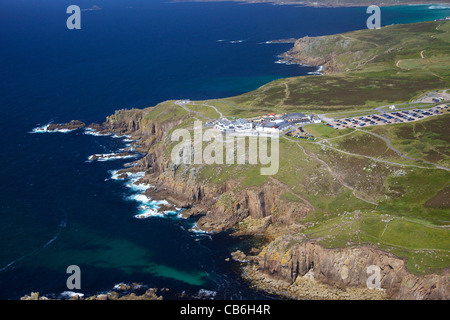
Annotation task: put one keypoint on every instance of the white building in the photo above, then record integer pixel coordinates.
(240, 125)
(315, 119)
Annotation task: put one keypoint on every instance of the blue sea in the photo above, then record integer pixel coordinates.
(57, 208)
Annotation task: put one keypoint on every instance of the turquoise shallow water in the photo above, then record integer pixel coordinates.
(57, 208)
(414, 13)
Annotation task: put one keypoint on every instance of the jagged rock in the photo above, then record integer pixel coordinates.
(72, 125)
(238, 255)
(32, 296)
(347, 267)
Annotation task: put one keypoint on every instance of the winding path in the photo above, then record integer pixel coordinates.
(183, 105)
(399, 152)
(334, 174)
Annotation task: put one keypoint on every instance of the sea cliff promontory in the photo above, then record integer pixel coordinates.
(341, 205)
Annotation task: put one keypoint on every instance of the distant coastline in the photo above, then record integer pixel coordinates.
(330, 4)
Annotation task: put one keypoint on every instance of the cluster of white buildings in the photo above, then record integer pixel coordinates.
(269, 124)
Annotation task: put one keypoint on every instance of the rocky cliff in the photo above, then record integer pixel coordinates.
(289, 258)
(336, 53)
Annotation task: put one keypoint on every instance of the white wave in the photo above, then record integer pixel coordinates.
(124, 136)
(150, 208)
(92, 132)
(147, 213)
(439, 7)
(130, 164)
(140, 198)
(44, 129)
(318, 72)
(115, 174)
(110, 156)
(147, 207)
(63, 130)
(203, 293)
(138, 186)
(287, 62)
(119, 285)
(147, 201)
(69, 294)
(195, 229)
(133, 179)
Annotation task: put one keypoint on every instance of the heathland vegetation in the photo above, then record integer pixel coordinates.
(358, 171)
(349, 188)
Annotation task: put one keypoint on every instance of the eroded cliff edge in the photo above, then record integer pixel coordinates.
(290, 263)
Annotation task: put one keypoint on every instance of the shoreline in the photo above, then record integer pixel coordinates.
(321, 5)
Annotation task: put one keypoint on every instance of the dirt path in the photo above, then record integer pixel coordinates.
(388, 142)
(207, 105)
(183, 105)
(333, 173)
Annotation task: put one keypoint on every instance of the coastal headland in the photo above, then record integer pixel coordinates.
(346, 201)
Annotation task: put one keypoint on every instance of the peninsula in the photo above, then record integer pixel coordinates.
(364, 195)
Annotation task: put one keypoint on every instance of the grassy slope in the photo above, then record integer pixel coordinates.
(371, 192)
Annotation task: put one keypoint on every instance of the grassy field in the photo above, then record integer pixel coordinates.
(427, 139)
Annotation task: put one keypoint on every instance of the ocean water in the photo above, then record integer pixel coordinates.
(57, 208)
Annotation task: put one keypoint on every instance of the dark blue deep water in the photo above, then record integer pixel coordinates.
(57, 209)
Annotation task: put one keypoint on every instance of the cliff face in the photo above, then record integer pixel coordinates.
(289, 257)
(286, 260)
(336, 53)
(309, 51)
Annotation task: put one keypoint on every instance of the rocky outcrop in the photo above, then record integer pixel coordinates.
(69, 126)
(290, 258)
(319, 51)
(149, 294)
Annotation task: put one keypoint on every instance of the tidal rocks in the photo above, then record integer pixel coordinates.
(112, 156)
(70, 126)
(238, 255)
(148, 294)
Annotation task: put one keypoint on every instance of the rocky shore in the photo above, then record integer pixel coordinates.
(69, 126)
(134, 291)
(326, 4)
(307, 51)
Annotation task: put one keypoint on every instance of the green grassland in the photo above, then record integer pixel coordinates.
(427, 140)
(362, 192)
